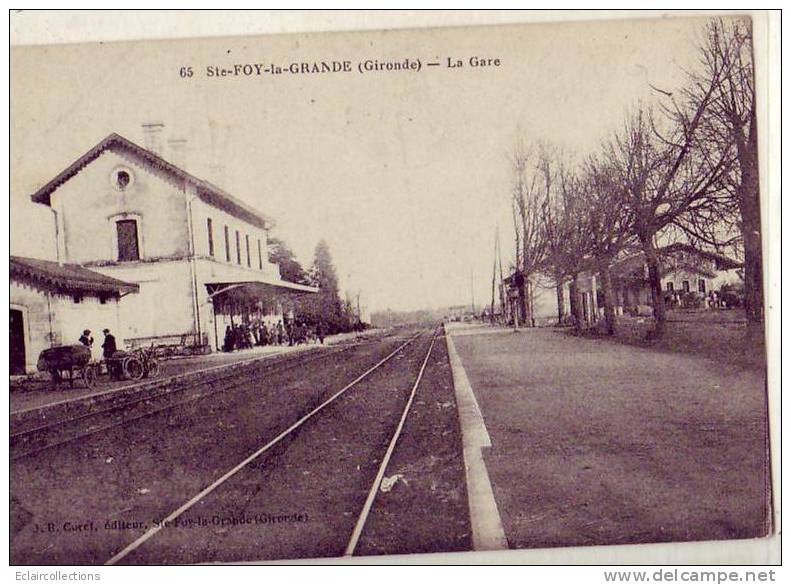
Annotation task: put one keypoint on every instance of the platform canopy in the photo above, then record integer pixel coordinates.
(256, 289)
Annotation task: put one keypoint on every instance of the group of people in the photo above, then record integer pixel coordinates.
(108, 345)
(715, 300)
(247, 335)
(109, 348)
(712, 299)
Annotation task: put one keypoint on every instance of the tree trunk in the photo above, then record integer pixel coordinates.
(576, 304)
(529, 317)
(607, 293)
(573, 300)
(750, 208)
(753, 272)
(561, 301)
(655, 285)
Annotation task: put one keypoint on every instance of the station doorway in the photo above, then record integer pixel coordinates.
(16, 335)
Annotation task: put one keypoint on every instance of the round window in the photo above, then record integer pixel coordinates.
(121, 178)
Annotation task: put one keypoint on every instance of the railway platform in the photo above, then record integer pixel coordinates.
(37, 398)
(590, 441)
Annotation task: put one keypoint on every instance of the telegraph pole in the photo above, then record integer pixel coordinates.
(472, 291)
(502, 278)
(494, 272)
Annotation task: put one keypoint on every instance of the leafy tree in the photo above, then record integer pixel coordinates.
(290, 268)
(326, 306)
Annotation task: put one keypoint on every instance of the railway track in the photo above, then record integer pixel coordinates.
(64, 430)
(289, 432)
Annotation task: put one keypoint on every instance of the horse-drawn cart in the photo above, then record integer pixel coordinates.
(72, 362)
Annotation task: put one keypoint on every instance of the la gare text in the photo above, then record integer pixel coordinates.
(341, 66)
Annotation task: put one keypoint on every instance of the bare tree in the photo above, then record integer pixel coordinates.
(556, 222)
(564, 220)
(729, 123)
(663, 176)
(526, 197)
(607, 228)
(561, 220)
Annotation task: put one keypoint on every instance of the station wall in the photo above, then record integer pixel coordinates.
(55, 319)
(89, 204)
(202, 212)
(164, 304)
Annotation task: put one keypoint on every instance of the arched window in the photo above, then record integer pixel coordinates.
(127, 236)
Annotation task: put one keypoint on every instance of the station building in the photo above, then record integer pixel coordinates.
(53, 303)
(684, 270)
(197, 255)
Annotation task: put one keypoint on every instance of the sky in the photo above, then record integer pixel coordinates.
(405, 174)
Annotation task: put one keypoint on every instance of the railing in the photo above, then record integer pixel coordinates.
(173, 345)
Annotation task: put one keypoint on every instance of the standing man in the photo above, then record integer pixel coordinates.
(290, 332)
(109, 344)
(320, 331)
(228, 341)
(108, 349)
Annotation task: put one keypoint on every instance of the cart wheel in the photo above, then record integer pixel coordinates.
(89, 375)
(153, 368)
(133, 368)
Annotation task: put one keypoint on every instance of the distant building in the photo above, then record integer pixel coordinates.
(459, 313)
(684, 269)
(52, 304)
(198, 254)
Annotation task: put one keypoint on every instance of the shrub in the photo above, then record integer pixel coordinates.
(732, 298)
(691, 300)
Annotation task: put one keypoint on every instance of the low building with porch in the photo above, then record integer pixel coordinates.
(686, 273)
(51, 304)
(198, 255)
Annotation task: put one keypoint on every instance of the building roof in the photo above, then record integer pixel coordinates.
(208, 192)
(634, 263)
(723, 262)
(68, 278)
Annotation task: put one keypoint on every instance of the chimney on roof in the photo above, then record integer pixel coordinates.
(152, 135)
(177, 152)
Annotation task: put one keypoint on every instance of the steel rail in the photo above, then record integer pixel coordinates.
(142, 539)
(369, 501)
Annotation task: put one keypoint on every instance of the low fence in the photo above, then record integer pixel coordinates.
(174, 345)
